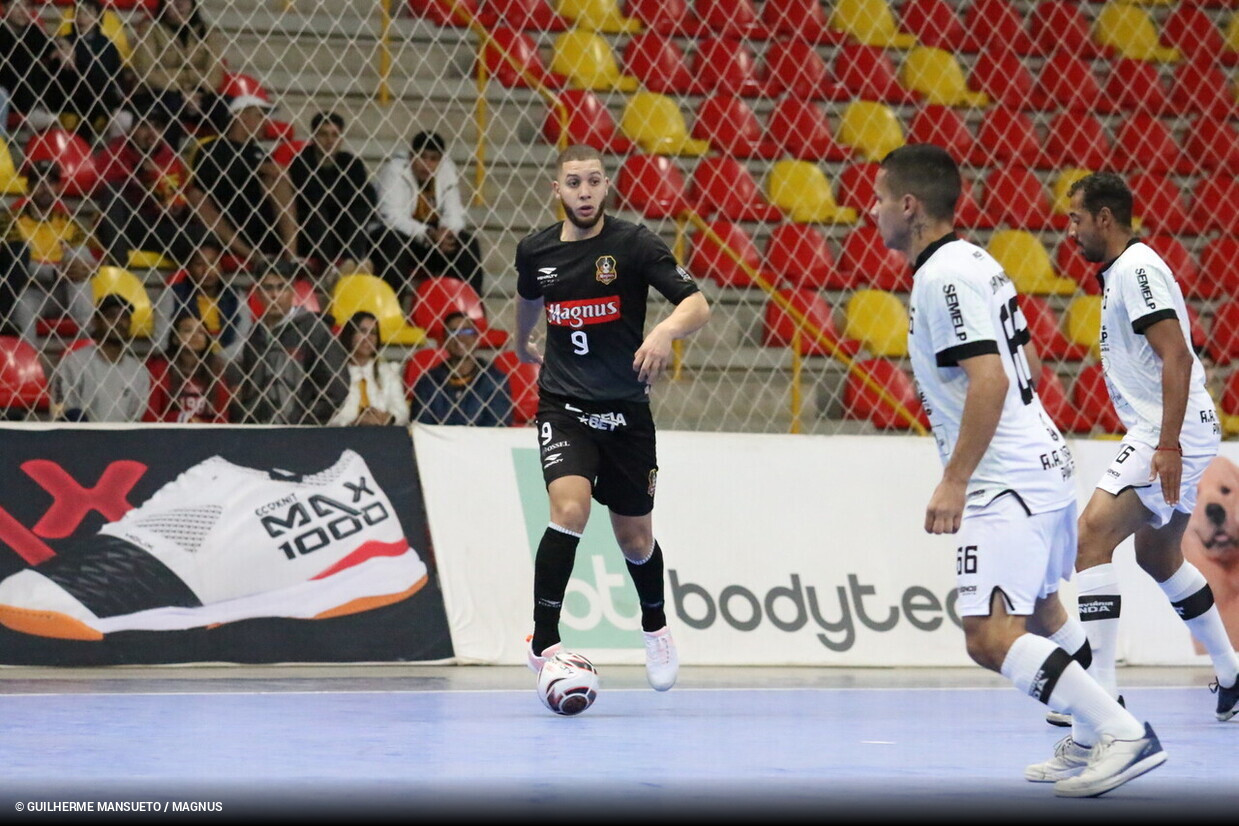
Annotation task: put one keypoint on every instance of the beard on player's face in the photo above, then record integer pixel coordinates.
(584, 223)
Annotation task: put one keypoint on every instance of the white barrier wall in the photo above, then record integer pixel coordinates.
(781, 550)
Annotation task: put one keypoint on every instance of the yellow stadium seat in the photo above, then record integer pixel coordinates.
(359, 291)
(937, 74)
(801, 190)
(871, 22)
(598, 16)
(656, 123)
(1027, 263)
(10, 182)
(871, 129)
(118, 281)
(1062, 183)
(1082, 322)
(1232, 33)
(879, 321)
(1131, 31)
(588, 63)
(150, 260)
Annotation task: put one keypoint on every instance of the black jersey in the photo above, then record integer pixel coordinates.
(595, 294)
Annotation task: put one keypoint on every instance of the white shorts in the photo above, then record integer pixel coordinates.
(1130, 469)
(1001, 547)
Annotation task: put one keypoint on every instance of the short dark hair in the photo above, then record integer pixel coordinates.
(284, 269)
(111, 302)
(578, 152)
(330, 117)
(432, 141)
(927, 172)
(1105, 190)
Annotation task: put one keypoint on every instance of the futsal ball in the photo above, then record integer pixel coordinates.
(568, 684)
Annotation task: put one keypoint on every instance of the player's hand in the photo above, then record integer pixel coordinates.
(528, 353)
(1167, 465)
(946, 507)
(652, 356)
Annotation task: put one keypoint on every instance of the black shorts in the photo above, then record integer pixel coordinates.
(609, 443)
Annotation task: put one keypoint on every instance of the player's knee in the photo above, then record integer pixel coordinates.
(1093, 546)
(570, 514)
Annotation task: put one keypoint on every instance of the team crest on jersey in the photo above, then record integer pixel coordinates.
(605, 269)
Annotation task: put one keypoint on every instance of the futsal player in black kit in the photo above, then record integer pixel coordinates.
(590, 276)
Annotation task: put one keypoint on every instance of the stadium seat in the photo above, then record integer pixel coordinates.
(1057, 406)
(968, 212)
(871, 129)
(1007, 136)
(799, 255)
(801, 130)
(799, 20)
(71, 153)
(586, 60)
(1223, 344)
(1082, 322)
(996, 25)
(861, 401)
(879, 321)
(1192, 31)
(1003, 75)
(418, 362)
(1015, 196)
(1063, 181)
(866, 262)
(801, 191)
(1062, 25)
(1128, 30)
(453, 13)
(1134, 86)
(1090, 397)
(1067, 82)
(10, 182)
(1229, 404)
(868, 73)
(730, 126)
(855, 185)
(359, 291)
(589, 123)
(23, 380)
(794, 68)
(1076, 139)
(938, 76)
(1143, 142)
(1196, 328)
(870, 22)
(1027, 263)
(942, 125)
(1158, 203)
(1046, 330)
(522, 386)
(1212, 142)
(660, 64)
(529, 69)
(669, 18)
(1201, 87)
(286, 150)
(1183, 265)
(528, 15)
(935, 23)
(710, 258)
(1215, 205)
(728, 66)
(656, 124)
(733, 19)
(437, 298)
(1069, 263)
(1231, 55)
(652, 185)
(121, 282)
(598, 16)
(724, 186)
(1219, 264)
(781, 328)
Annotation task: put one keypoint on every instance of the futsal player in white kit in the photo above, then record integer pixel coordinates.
(1007, 490)
(1157, 386)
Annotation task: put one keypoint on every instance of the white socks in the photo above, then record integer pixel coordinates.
(1192, 600)
(1100, 604)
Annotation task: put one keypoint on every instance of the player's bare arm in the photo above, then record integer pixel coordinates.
(1166, 339)
(527, 314)
(652, 357)
(987, 391)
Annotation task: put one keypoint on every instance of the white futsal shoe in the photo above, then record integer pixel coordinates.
(535, 660)
(1070, 758)
(662, 662)
(1112, 763)
(222, 543)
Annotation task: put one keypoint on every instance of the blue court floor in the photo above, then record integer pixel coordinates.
(418, 743)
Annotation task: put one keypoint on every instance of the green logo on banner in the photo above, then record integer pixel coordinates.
(600, 608)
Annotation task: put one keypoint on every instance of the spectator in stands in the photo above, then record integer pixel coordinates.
(31, 62)
(204, 294)
(178, 60)
(421, 228)
(465, 389)
(375, 386)
(43, 221)
(291, 368)
(14, 271)
(93, 77)
(65, 295)
(242, 196)
(142, 202)
(187, 379)
(335, 199)
(102, 381)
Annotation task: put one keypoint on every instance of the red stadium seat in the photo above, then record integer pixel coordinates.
(724, 186)
(457, 14)
(1066, 82)
(1003, 76)
(670, 18)
(1014, 196)
(70, 152)
(709, 258)
(799, 255)
(589, 123)
(728, 66)
(1201, 87)
(1219, 264)
(524, 50)
(866, 261)
(780, 328)
(522, 386)
(418, 362)
(660, 64)
(1196, 328)
(996, 25)
(1230, 394)
(794, 68)
(860, 401)
(1212, 142)
(1133, 85)
(437, 298)
(1215, 205)
(732, 18)
(855, 185)
(23, 381)
(868, 72)
(1223, 345)
(1090, 397)
(1143, 142)
(1076, 139)
(1158, 203)
(968, 212)
(942, 125)
(801, 20)
(1183, 265)
(652, 185)
(285, 151)
(1193, 32)
(1057, 406)
(1062, 25)
(731, 127)
(528, 15)
(803, 131)
(1069, 263)
(1046, 330)
(934, 22)
(1007, 136)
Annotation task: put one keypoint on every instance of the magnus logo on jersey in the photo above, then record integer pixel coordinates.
(604, 269)
(586, 311)
(957, 317)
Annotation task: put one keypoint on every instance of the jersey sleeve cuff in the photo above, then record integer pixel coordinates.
(951, 356)
(1146, 321)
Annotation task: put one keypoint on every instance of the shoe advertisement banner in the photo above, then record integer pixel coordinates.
(780, 550)
(215, 544)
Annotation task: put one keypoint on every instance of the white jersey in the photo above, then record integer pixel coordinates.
(964, 305)
(1138, 290)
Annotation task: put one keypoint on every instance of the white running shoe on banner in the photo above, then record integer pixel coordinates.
(221, 543)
